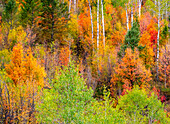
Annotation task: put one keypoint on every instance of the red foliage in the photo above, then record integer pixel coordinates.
(153, 32)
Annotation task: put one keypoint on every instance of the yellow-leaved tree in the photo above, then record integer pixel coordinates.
(20, 94)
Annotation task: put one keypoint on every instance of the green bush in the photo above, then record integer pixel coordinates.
(68, 100)
(137, 107)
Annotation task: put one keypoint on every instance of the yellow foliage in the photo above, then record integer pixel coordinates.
(17, 34)
(73, 24)
(18, 102)
(147, 54)
(23, 68)
(4, 57)
(20, 95)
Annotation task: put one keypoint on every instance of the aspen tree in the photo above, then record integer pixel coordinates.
(103, 24)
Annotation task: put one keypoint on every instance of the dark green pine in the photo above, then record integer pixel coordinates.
(131, 39)
(29, 11)
(52, 10)
(9, 12)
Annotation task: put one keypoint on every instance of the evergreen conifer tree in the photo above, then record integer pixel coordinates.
(29, 11)
(131, 39)
(52, 12)
(28, 16)
(9, 13)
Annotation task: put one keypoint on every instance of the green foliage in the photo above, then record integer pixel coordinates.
(53, 20)
(29, 11)
(68, 100)
(102, 112)
(131, 39)
(9, 12)
(164, 35)
(4, 58)
(139, 108)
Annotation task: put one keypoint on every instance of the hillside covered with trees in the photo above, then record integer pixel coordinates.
(85, 61)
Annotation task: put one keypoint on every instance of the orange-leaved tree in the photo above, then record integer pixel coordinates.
(147, 54)
(129, 71)
(23, 68)
(20, 95)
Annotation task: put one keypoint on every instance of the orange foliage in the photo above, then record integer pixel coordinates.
(64, 56)
(24, 68)
(20, 95)
(164, 67)
(144, 21)
(130, 71)
(153, 32)
(147, 54)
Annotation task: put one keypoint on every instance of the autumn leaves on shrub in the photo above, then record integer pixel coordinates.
(19, 95)
(24, 68)
(129, 72)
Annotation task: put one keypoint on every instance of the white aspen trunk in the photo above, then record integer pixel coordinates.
(69, 6)
(127, 19)
(165, 66)
(157, 58)
(140, 2)
(155, 6)
(98, 37)
(74, 5)
(103, 24)
(97, 25)
(132, 15)
(91, 17)
(166, 13)
(155, 3)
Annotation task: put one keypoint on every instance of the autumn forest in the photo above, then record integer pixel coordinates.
(85, 61)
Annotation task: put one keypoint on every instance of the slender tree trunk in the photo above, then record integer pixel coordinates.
(1, 103)
(52, 33)
(9, 103)
(97, 25)
(69, 6)
(155, 6)
(32, 21)
(11, 26)
(74, 5)
(157, 58)
(98, 37)
(166, 13)
(140, 2)
(155, 3)
(52, 28)
(127, 19)
(165, 66)
(91, 24)
(103, 25)
(132, 15)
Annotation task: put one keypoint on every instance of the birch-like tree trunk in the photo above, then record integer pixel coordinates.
(97, 25)
(69, 6)
(103, 24)
(155, 3)
(132, 14)
(140, 2)
(127, 19)
(91, 17)
(157, 58)
(165, 67)
(166, 13)
(74, 5)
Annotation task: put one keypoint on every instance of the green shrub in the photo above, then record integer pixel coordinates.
(68, 100)
(137, 107)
